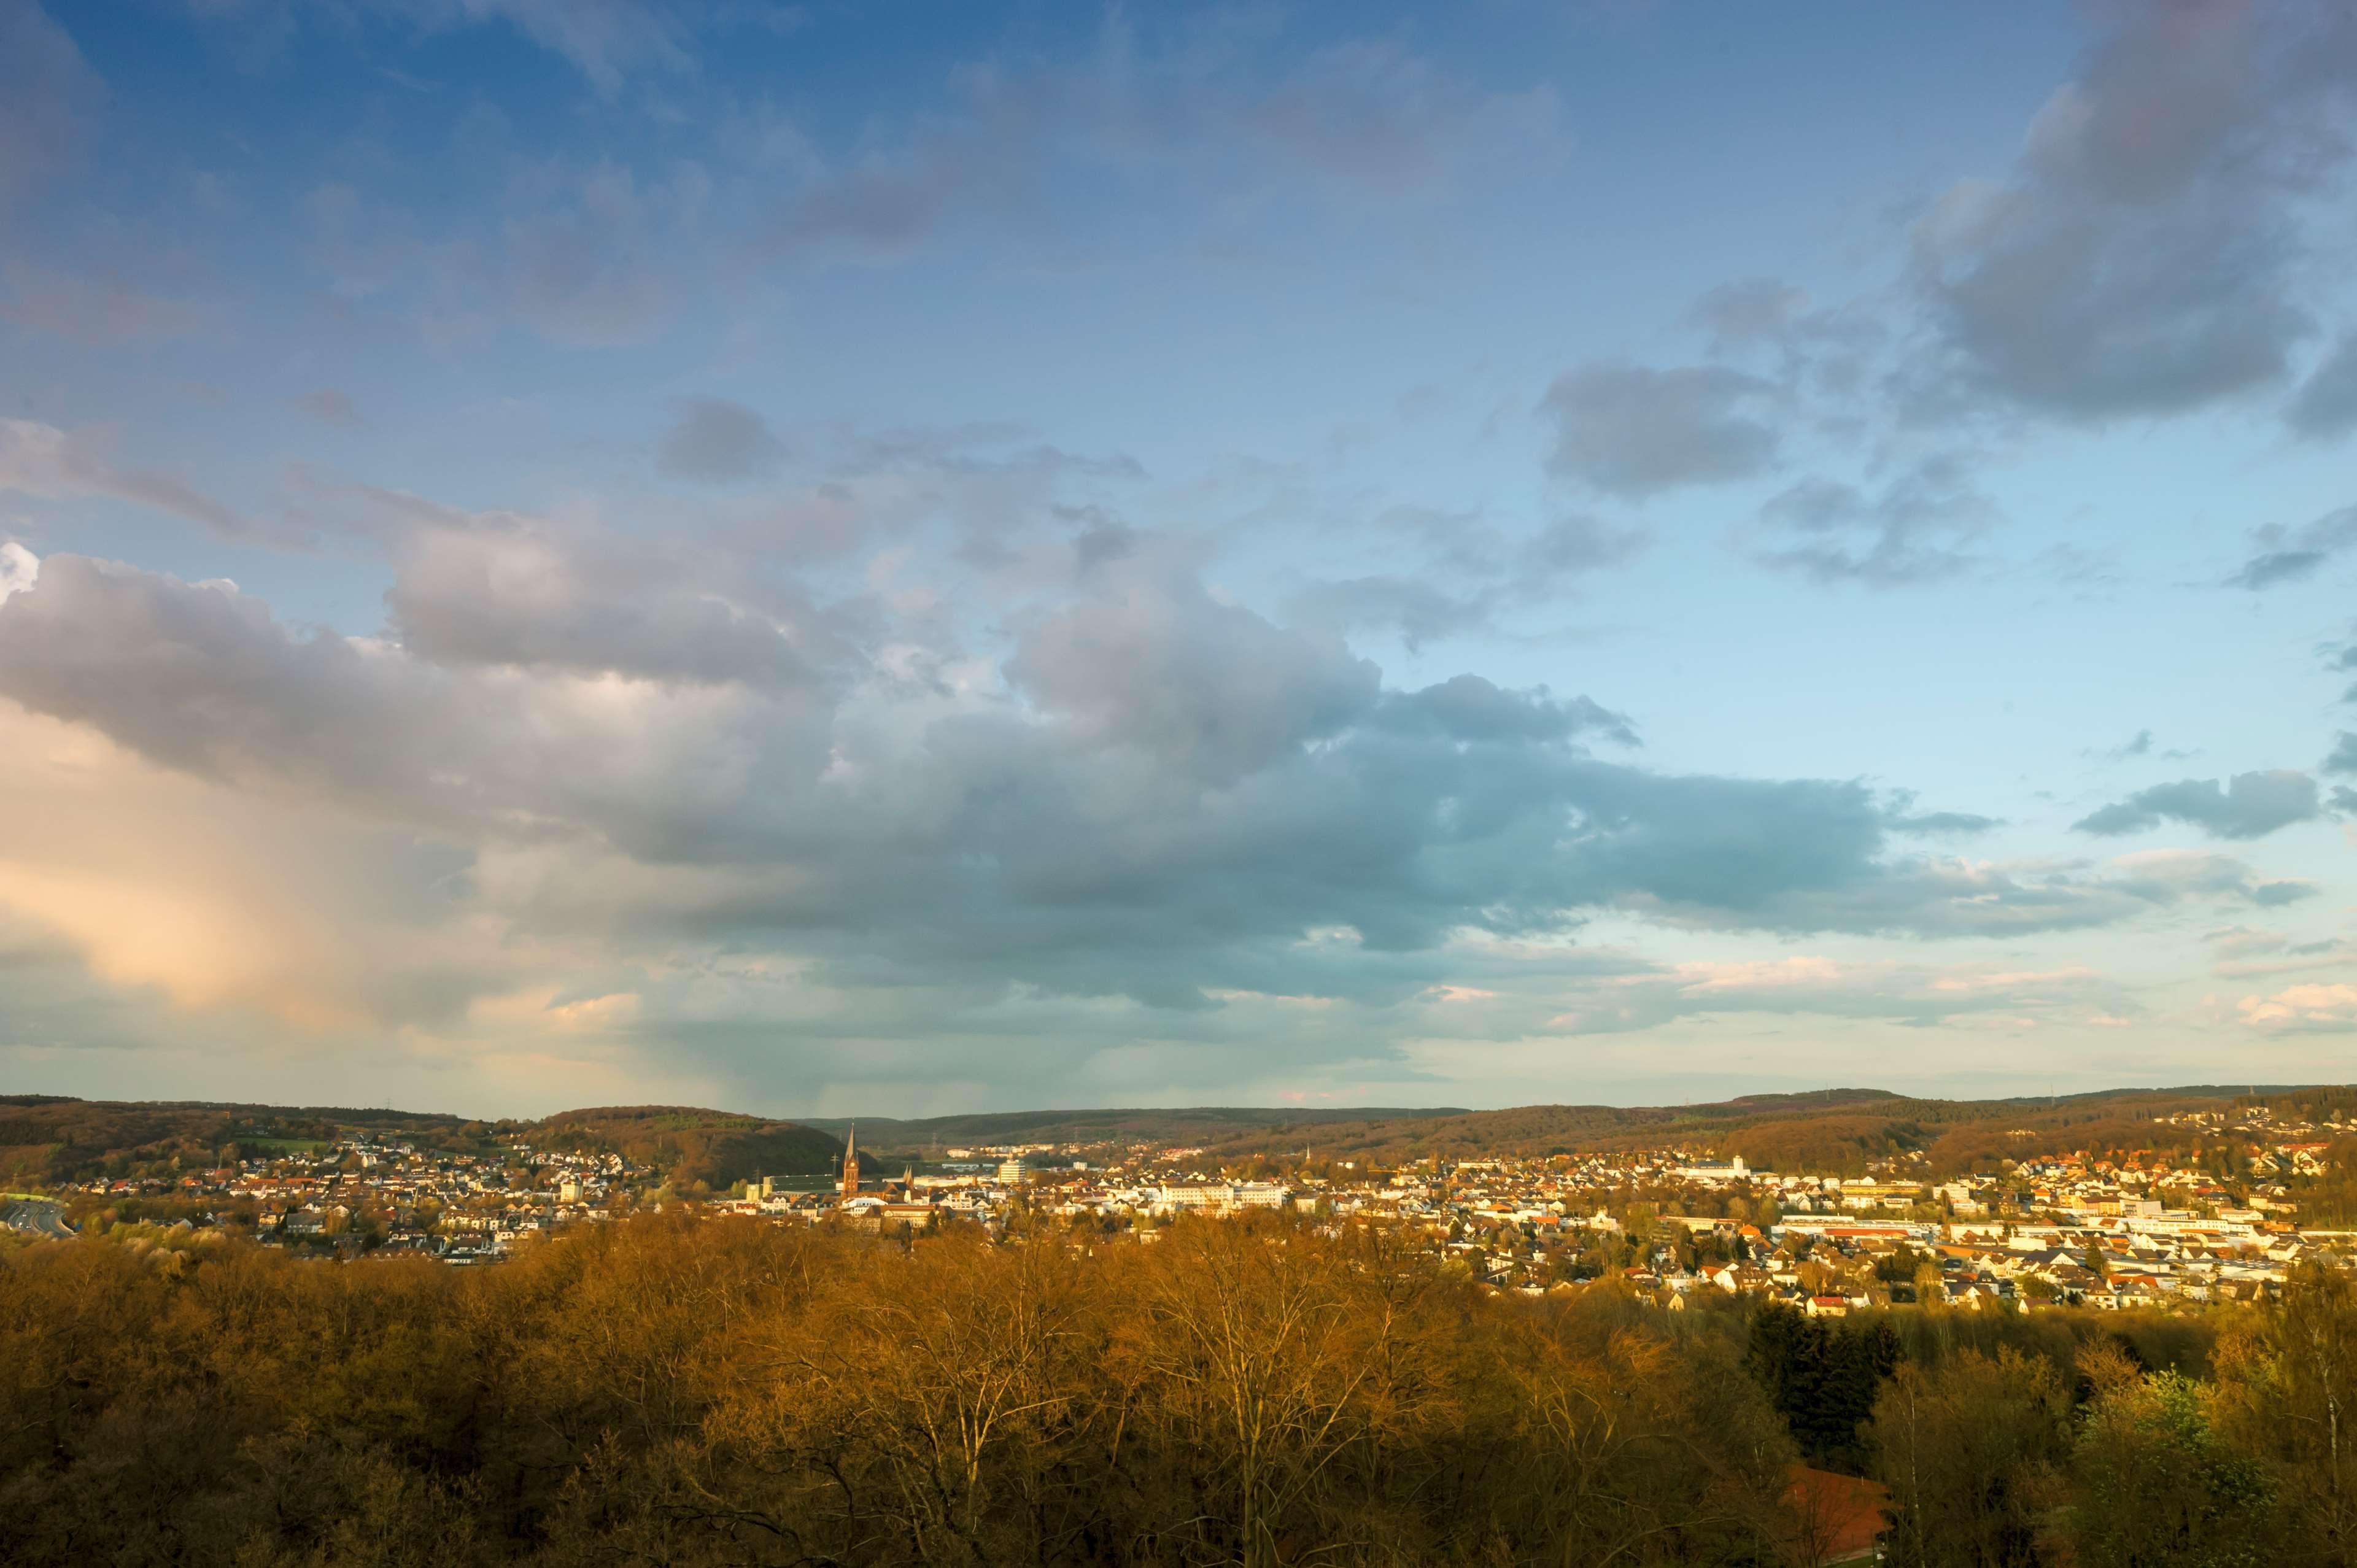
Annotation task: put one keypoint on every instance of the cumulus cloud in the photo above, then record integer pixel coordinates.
(711, 438)
(500, 589)
(18, 568)
(2144, 256)
(1161, 796)
(2316, 1007)
(1634, 430)
(2249, 806)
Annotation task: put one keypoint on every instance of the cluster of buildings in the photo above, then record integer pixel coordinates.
(363, 1194)
(2137, 1228)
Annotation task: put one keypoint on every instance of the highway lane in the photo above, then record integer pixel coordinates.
(36, 1216)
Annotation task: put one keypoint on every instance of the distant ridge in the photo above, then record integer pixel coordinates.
(56, 1138)
(1169, 1125)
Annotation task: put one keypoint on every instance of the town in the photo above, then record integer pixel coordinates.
(2100, 1230)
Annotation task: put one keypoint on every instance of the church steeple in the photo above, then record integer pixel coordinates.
(851, 1160)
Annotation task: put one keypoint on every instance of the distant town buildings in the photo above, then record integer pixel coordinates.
(2099, 1228)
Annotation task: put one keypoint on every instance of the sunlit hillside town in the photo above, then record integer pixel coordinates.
(2120, 1229)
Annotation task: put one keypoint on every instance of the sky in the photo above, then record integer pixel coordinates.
(827, 559)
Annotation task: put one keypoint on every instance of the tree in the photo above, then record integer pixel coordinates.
(2157, 1486)
(1969, 1450)
(2287, 1391)
(1824, 1380)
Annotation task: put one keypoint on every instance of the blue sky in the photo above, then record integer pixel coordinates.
(833, 558)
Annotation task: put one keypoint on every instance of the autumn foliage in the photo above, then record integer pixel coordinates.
(678, 1391)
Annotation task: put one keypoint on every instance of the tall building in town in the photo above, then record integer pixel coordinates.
(851, 1161)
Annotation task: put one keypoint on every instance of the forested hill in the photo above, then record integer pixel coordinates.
(1201, 1125)
(715, 1147)
(1825, 1130)
(47, 1139)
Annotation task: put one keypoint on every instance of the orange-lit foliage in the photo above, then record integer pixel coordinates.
(676, 1391)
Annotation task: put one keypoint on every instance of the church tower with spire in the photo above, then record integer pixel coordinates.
(851, 1161)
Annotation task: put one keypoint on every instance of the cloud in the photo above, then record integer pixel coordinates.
(523, 592)
(40, 460)
(1210, 689)
(607, 41)
(1360, 125)
(2283, 554)
(93, 307)
(19, 568)
(2345, 754)
(583, 268)
(2316, 1007)
(1162, 795)
(1755, 311)
(46, 91)
(712, 439)
(2326, 407)
(1912, 531)
(585, 254)
(2145, 254)
(1918, 995)
(1473, 577)
(1945, 825)
(2244, 954)
(1635, 431)
(2251, 805)
(329, 405)
(275, 909)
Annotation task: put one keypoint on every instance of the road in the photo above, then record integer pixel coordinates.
(38, 1216)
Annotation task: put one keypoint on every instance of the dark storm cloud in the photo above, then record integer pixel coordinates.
(1634, 430)
(712, 438)
(2249, 806)
(2144, 255)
